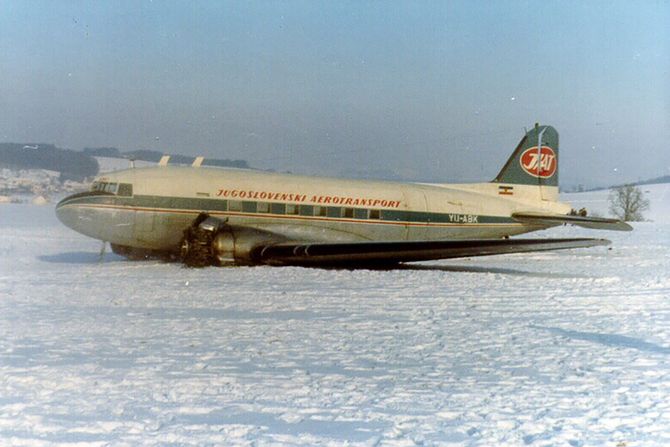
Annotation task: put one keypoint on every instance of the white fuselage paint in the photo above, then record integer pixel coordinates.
(166, 199)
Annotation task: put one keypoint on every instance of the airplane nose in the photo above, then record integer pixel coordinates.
(72, 212)
(67, 214)
(80, 213)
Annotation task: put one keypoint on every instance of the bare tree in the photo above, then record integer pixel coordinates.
(627, 203)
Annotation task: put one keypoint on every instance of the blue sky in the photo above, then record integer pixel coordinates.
(423, 90)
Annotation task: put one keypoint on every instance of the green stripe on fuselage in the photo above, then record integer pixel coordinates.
(219, 205)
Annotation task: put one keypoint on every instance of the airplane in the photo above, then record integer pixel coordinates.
(208, 216)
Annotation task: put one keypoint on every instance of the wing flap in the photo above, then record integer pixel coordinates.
(598, 223)
(370, 253)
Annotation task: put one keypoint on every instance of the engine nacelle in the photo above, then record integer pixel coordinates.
(234, 245)
(212, 241)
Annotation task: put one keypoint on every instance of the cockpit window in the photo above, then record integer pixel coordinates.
(104, 187)
(122, 189)
(125, 189)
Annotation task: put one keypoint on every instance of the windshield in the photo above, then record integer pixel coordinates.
(121, 189)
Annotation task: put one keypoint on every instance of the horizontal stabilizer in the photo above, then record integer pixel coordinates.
(371, 253)
(598, 223)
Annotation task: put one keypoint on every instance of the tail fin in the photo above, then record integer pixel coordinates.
(534, 161)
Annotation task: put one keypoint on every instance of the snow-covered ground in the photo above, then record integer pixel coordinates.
(562, 348)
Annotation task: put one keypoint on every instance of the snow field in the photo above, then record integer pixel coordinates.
(598, 204)
(560, 348)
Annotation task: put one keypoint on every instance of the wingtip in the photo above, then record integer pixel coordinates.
(592, 242)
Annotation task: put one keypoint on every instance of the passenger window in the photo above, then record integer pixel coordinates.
(234, 205)
(360, 214)
(263, 207)
(278, 208)
(348, 213)
(320, 211)
(334, 211)
(306, 210)
(375, 214)
(292, 209)
(249, 207)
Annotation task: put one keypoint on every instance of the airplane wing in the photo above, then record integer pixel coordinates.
(582, 221)
(381, 253)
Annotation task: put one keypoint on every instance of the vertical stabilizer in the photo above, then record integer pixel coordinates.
(534, 161)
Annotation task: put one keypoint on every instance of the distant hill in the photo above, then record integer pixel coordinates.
(79, 165)
(655, 181)
(72, 165)
(155, 156)
(652, 181)
(111, 152)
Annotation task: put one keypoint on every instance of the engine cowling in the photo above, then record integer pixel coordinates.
(212, 241)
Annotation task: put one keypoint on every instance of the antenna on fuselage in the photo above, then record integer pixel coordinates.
(131, 163)
(197, 162)
(164, 160)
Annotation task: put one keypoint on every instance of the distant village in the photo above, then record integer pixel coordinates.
(37, 186)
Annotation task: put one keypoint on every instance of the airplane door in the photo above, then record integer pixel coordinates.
(417, 206)
(543, 192)
(145, 224)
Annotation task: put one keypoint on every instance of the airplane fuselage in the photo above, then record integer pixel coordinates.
(150, 207)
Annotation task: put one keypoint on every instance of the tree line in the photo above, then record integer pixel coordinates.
(72, 165)
(155, 156)
(79, 165)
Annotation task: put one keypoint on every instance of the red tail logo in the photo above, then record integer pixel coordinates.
(541, 164)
